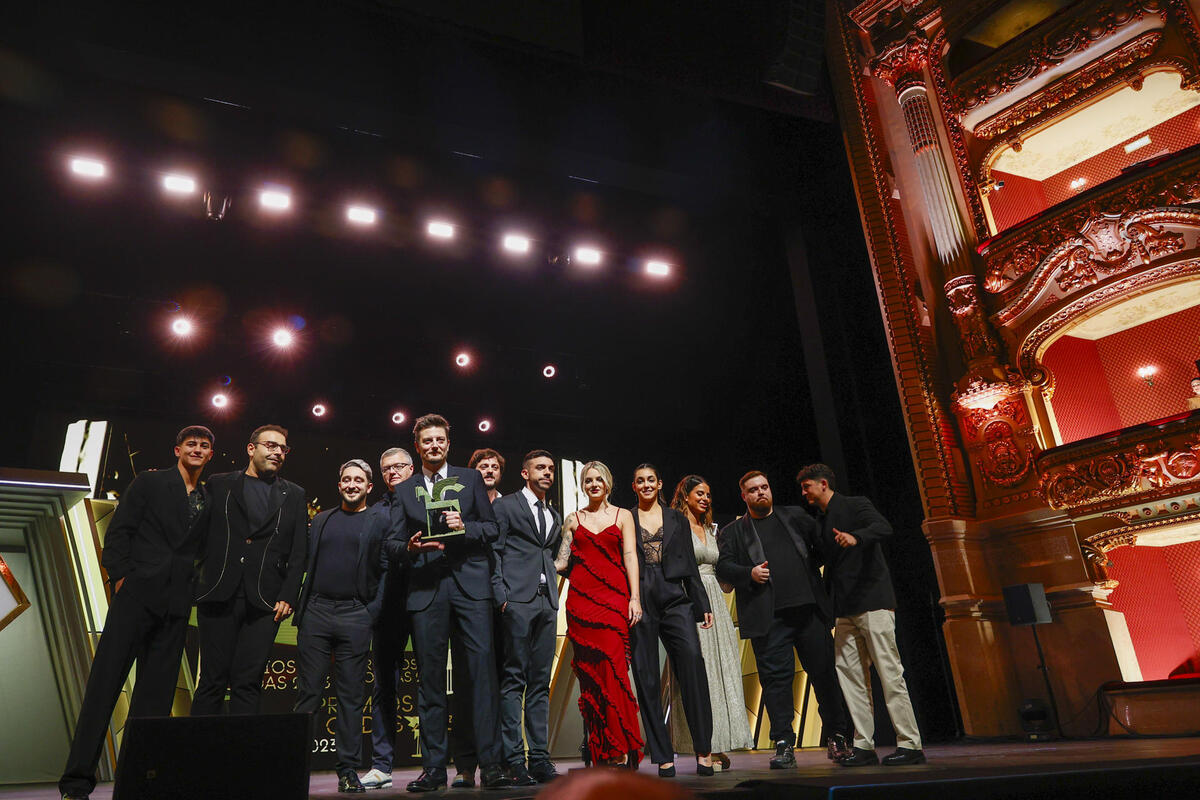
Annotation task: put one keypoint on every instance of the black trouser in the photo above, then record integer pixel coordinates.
(800, 629)
(667, 614)
(131, 633)
(451, 614)
(528, 630)
(387, 653)
(341, 629)
(461, 736)
(235, 643)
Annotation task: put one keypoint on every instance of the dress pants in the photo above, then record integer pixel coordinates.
(461, 736)
(667, 614)
(342, 629)
(451, 614)
(235, 643)
(131, 633)
(528, 630)
(387, 654)
(860, 640)
(802, 630)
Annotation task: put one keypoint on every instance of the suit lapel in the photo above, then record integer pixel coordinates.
(179, 497)
(239, 492)
(278, 495)
(750, 539)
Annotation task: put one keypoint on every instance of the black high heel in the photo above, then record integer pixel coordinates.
(666, 772)
(703, 770)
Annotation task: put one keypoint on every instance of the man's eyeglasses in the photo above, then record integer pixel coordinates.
(274, 447)
(396, 468)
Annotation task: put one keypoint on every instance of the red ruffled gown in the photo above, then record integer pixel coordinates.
(598, 627)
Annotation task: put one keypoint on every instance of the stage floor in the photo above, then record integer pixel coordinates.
(816, 776)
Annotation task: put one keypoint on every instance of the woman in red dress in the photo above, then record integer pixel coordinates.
(598, 555)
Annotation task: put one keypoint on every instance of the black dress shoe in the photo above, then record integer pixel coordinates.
(666, 772)
(348, 783)
(784, 757)
(703, 770)
(543, 771)
(904, 756)
(463, 781)
(520, 776)
(837, 748)
(860, 758)
(493, 777)
(428, 781)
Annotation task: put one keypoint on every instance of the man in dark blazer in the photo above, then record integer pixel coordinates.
(449, 594)
(253, 564)
(339, 604)
(769, 556)
(525, 586)
(150, 552)
(860, 586)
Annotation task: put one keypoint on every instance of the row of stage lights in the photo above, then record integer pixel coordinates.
(278, 200)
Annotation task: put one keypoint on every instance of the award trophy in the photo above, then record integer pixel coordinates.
(436, 508)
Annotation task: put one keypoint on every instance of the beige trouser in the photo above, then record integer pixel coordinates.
(859, 641)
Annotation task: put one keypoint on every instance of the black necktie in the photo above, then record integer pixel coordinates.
(541, 522)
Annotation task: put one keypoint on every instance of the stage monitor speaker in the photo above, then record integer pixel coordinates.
(205, 758)
(1026, 604)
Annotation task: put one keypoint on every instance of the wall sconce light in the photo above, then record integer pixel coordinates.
(1147, 374)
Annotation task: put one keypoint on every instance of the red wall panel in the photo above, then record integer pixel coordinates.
(1082, 402)
(1148, 598)
(1020, 199)
(1172, 344)
(1183, 563)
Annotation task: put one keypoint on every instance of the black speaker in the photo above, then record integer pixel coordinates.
(1026, 604)
(204, 758)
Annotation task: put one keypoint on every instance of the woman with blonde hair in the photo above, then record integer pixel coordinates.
(719, 643)
(599, 557)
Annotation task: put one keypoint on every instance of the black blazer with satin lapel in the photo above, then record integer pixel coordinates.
(370, 563)
(521, 555)
(741, 551)
(150, 544)
(269, 560)
(467, 557)
(857, 577)
(679, 559)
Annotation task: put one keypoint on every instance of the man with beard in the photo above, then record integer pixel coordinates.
(254, 561)
(338, 606)
(490, 465)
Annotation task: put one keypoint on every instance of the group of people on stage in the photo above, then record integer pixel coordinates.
(471, 575)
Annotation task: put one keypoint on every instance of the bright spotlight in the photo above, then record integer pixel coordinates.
(182, 326)
(179, 184)
(516, 243)
(275, 199)
(282, 337)
(485, 425)
(549, 371)
(462, 359)
(440, 230)
(88, 167)
(587, 255)
(220, 400)
(361, 215)
(318, 410)
(659, 269)
(398, 418)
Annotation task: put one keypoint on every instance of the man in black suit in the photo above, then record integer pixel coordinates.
(254, 560)
(768, 555)
(338, 606)
(863, 601)
(449, 594)
(391, 629)
(150, 551)
(525, 586)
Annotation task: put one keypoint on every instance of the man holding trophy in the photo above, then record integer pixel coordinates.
(445, 532)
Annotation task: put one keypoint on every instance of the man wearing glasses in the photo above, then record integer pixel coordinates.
(391, 628)
(257, 539)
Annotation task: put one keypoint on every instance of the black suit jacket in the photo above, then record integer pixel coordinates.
(467, 557)
(678, 559)
(268, 561)
(521, 554)
(370, 566)
(741, 551)
(150, 544)
(394, 595)
(857, 577)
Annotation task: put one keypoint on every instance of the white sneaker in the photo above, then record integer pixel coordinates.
(376, 779)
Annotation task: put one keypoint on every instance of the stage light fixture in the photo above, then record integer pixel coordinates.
(220, 400)
(440, 230)
(398, 418)
(462, 359)
(659, 269)
(179, 184)
(549, 371)
(485, 425)
(516, 243)
(182, 326)
(282, 337)
(587, 255)
(318, 410)
(92, 168)
(361, 215)
(275, 199)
